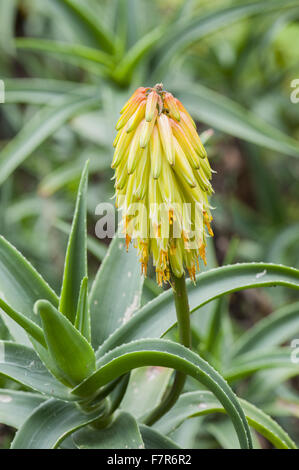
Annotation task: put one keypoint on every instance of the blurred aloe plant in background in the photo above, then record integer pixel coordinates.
(68, 67)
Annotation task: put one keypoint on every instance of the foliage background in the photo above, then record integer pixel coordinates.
(46, 135)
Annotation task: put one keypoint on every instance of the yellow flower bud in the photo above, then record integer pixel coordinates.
(166, 137)
(151, 105)
(162, 167)
(170, 104)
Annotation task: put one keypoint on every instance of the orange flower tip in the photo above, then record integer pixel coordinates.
(144, 269)
(128, 241)
(172, 106)
(191, 272)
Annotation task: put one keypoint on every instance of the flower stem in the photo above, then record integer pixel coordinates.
(183, 318)
(182, 309)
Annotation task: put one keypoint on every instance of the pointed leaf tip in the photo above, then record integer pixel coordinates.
(82, 321)
(70, 351)
(75, 268)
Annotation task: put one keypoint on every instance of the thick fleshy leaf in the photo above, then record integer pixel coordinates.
(154, 440)
(46, 358)
(21, 287)
(82, 321)
(126, 66)
(88, 58)
(269, 332)
(251, 362)
(83, 23)
(222, 113)
(145, 390)
(266, 386)
(43, 91)
(157, 352)
(70, 351)
(158, 316)
(70, 172)
(96, 247)
(116, 291)
(75, 266)
(4, 333)
(99, 251)
(50, 423)
(127, 16)
(8, 13)
(29, 326)
(281, 243)
(43, 124)
(193, 404)
(22, 365)
(188, 32)
(16, 406)
(222, 432)
(122, 433)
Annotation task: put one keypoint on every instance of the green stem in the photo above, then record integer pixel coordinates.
(183, 318)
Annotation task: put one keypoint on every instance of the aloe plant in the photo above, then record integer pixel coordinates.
(94, 362)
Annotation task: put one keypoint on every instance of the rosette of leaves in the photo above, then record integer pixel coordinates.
(92, 364)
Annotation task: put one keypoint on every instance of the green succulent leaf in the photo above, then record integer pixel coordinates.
(7, 23)
(47, 359)
(154, 440)
(21, 287)
(110, 309)
(70, 351)
(21, 364)
(124, 69)
(280, 245)
(158, 316)
(88, 58)
(230, 117)
(16, 406)
(82, 321)
(51, 423)
(189, 32)
(193, 404)
(168, 354)
(269, 332)
(122, 433)
(75, 267)
(71, 171)
(29, 326)
(43, 124)
(249, 363)
(44, 91)
(97, 248)
(84, 23)
(149, 383)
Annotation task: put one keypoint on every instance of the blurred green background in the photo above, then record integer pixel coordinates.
(68, 67)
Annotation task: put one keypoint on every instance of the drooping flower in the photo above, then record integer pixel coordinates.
(162, 182)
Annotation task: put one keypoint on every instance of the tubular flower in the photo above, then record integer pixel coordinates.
(162, 182)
